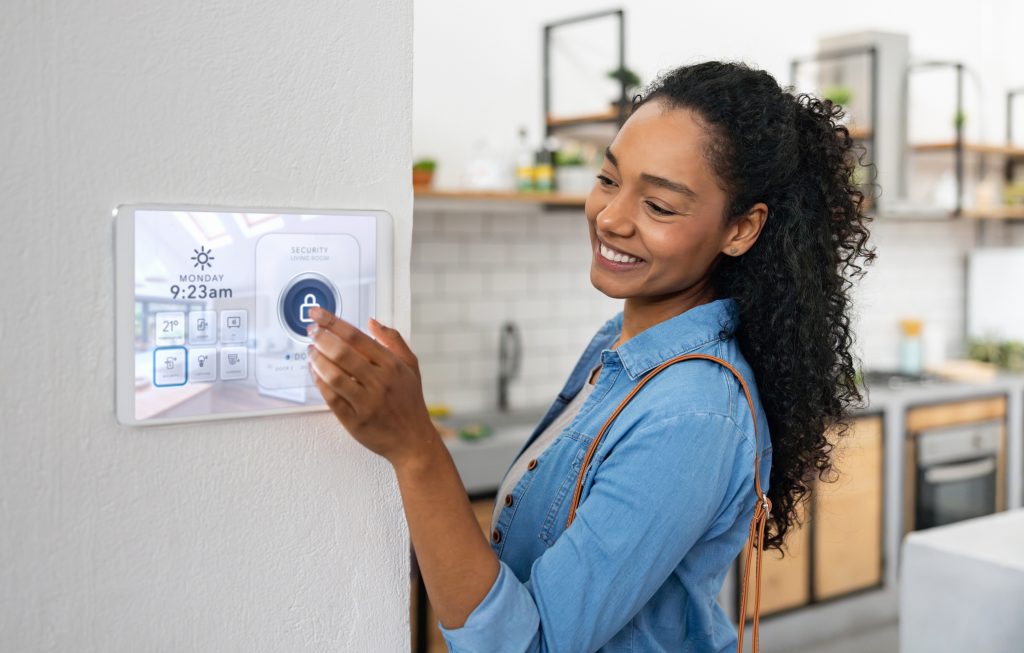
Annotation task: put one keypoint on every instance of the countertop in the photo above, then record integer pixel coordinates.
(483, 462)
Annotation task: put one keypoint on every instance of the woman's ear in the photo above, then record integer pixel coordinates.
(744, 232)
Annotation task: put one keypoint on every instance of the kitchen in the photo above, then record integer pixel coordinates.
(202, 183)
(502, 301)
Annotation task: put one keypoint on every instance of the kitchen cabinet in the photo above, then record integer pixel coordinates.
(426, 638)
(837, 548)
(848, 516)
(785, 580)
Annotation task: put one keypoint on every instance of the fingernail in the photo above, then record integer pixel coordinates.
(312, 330)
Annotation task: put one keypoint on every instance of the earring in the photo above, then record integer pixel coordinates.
(732, 250)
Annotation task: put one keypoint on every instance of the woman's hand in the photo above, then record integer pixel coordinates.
(374, 388)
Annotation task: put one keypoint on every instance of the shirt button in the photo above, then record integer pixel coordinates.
(531, 464)
(508, 499)
(496, 536)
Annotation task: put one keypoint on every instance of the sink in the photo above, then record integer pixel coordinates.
(496, 419)
(482, 463)
(895, 379)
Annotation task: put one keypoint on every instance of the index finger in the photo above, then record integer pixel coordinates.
(372, 350)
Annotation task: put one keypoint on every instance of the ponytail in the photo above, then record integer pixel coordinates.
(791, 287)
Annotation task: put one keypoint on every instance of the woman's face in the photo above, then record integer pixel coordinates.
(656, 199)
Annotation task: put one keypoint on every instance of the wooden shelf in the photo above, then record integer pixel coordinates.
(586, 119)
(502, 196)
(859, 132)
(977, 148)
(995, 213)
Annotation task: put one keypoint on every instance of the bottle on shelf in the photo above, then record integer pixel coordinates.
(524, 163)
(544, 170)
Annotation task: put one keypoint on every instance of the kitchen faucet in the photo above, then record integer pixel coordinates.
(509, 356)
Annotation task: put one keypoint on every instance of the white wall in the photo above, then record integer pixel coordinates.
(274, 534)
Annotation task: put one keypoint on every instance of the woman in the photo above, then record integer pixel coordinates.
(726, 217)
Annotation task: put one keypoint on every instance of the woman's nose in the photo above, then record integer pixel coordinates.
(615, 218)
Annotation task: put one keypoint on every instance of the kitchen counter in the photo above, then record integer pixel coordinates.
(983, 560)
(483, 462)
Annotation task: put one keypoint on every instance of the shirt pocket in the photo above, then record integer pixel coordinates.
(574, 449)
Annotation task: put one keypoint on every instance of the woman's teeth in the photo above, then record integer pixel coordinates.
(612, 255)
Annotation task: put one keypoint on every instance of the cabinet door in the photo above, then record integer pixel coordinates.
(848, 514)
(482, 508)
(785, 581)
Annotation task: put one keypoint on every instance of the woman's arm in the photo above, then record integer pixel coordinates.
(375, 390)
(457, 564)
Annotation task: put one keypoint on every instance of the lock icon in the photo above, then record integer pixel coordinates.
(307, 303)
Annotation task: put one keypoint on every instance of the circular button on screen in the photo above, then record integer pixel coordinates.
(302, 294)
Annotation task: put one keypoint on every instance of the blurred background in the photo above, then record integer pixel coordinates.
(511, 113)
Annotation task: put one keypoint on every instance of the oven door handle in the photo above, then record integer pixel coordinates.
(961, 472)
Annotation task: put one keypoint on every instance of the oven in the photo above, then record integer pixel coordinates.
(957, 473)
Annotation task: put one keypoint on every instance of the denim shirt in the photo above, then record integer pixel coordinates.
(665, 508)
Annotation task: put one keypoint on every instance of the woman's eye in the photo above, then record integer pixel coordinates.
(605, 181)
(657, 209)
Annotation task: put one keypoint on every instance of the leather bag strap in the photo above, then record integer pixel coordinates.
(762, 508)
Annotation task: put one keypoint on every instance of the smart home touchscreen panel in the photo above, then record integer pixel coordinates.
(213, 305)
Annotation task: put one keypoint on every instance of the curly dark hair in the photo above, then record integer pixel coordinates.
(767, 144)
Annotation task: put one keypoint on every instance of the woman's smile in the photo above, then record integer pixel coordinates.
(614, 259)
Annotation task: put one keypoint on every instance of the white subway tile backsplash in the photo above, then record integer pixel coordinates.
(434, 312)
(509, 282)
(462, 339)
(473, 270)
(425, 283)
(437, 253)
(458, 283)
(533, 310)
(487, 312)
(508, 226)
(536, 250)
(574, 250)
(486, 252)
(562, 223)
(467, 224)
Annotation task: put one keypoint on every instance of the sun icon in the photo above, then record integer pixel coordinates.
(202, 258)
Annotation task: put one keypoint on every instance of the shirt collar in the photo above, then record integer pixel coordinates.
(677, 335)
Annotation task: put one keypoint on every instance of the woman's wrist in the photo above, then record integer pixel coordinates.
(425, 454)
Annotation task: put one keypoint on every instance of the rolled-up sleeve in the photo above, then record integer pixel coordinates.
(655, 493)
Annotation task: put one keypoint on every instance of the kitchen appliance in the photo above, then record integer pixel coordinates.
(956, 473)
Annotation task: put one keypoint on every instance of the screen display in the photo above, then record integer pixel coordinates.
(221, 305)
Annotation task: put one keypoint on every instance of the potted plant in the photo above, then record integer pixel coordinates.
(626, 76)
(572, 174)
(842, 95)
(423, 172)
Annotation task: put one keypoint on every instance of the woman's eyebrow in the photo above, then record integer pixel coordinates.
(668, 184)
